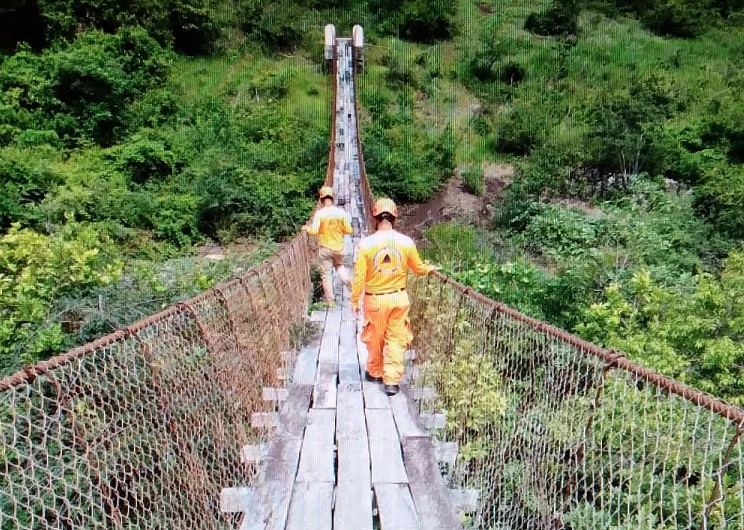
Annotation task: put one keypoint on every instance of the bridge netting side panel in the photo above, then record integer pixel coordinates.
(556, 433)
(142, 429)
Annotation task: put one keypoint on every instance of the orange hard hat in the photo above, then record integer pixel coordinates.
(383, 206)
(326, 191)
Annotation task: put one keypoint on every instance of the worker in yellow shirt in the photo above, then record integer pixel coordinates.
(330, 224)
(382, 262)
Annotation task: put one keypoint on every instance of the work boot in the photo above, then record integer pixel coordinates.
(371, 379)
(391, 390)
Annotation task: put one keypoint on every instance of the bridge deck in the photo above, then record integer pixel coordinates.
(343, 453)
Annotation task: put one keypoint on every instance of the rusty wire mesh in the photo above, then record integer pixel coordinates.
(556, 433)
(143, 428)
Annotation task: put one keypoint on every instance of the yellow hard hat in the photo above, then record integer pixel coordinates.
(326, 191)
(384, 205)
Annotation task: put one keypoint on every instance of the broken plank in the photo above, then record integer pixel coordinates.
(324, 393)
(433, 421)
(275, 394)
(464, 501)
(384, 447)
(311, 506)
(251, 454)
(446, 452)
(237, 500)
(430, 496)
(396, 508)
(264, 420)
(305, 367)
(406, 417)
(353, 509)
(317, 459)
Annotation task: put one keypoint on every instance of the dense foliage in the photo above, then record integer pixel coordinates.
(107, 159)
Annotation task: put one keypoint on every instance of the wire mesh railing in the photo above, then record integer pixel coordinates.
(554, 432)
(143, 428)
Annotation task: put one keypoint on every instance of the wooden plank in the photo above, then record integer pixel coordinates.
(293, 414)
(288, 356)
(384, 446)
(324, 393)
(346, 315)
(433, 421)
(430, 496)
(237, 500)
(317, 459)
(374, 396)
(264, 420)
(311, 506)
(396, 508)
(354, 492)
(275, 394)
(305, 367)
(464, 501)
(406, 417)
(347, 354)
(446, 452)
(250, 454)
(329, 342)
(275, 485)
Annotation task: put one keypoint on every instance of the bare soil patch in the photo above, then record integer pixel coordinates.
(485, 8)
(454, 203)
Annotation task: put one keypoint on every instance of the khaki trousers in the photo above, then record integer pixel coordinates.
(330, 259)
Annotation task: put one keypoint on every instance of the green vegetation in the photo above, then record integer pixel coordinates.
(119, 153)
(130, 135)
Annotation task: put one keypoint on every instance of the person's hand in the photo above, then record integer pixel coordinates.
(303, 228)
(433, 268)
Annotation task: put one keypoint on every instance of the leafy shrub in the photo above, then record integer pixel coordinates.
(416, 20)
(35, 271)
(189, 25)
(561, 18)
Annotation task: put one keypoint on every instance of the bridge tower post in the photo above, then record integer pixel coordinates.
(330, 44)
(357, 39)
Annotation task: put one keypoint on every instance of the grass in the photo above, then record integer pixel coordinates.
(231, 76)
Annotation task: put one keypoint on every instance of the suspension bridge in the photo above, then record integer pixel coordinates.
(239, 410)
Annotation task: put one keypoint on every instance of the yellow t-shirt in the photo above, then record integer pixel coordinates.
(382, 263)
(330, 223)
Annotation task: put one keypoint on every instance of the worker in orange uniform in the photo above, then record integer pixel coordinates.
(382, 262)
(330, 224)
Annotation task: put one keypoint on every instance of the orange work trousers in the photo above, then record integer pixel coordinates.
(387, 334)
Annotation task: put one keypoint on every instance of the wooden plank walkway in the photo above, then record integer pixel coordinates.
(342, 450)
